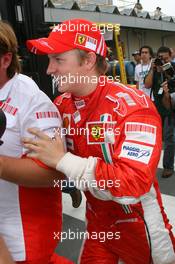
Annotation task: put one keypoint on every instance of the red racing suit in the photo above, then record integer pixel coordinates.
(126, 222)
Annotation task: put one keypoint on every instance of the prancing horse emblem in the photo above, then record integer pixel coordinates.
(81, 39)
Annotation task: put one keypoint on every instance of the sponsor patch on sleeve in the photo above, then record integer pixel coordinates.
(49, 114)
(9, 108)
(140, 132)
(136, 152)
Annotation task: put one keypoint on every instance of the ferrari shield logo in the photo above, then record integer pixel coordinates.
(85, 41)
(81, 39)
(100, 132)
(96, 132)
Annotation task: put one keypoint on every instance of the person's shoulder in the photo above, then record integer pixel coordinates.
(128, 98)
(25, 85)
(27, 90)
(117, 87)
(138, 66)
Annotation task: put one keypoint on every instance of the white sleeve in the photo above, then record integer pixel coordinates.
(41, 113)
(81, 171)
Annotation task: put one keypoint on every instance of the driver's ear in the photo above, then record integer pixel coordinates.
(90, 60)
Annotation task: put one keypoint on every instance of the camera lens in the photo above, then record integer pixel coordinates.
(158, 62)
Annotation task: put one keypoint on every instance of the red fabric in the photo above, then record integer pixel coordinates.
(138, 177)
(71, 34)
(132, 247)
(40, 219)
(135, 168)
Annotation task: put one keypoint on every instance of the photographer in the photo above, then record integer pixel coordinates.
(159, 77)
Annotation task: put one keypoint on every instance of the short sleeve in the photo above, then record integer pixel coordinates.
(41, 113)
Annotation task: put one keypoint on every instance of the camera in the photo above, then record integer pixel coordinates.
(170, 76)
(158, 61)
(168, 71)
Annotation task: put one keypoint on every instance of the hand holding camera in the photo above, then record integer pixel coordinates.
(165, 89)
(168, 71)
(158, 62)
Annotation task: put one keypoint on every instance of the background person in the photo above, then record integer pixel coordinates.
(142, 69)
(156, 76)
(137, 60)
(172, 55)
(137, 57)
(130, 157)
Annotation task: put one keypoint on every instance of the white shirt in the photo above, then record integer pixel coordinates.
(141, 70)
(25, 106)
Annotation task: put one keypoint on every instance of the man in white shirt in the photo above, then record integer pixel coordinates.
(5, 257)
(30, 206)
(142, 69)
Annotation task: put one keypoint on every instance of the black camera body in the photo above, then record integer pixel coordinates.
(158, 61)
(170, 76)
(168, 71)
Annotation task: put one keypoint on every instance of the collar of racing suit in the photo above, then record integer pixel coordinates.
(92, 98)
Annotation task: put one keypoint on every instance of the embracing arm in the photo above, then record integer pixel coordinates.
(5, 257)
(149, 78)
(131, 174)
(27, 172)
(127, 178)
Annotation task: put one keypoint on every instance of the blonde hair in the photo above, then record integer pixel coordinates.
(8, 43)
(101, 63)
